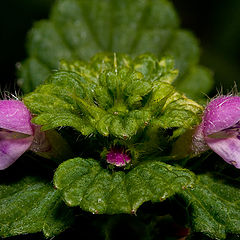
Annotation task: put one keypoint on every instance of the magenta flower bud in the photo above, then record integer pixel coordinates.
(118, 157)
(17, 133)
(220, 129)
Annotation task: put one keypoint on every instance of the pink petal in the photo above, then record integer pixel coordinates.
(118, 158)
(15, 116)
(127, 158)
(12, 149)
(227, 148)
(221, 113)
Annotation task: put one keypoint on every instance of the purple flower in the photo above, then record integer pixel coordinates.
(118, 157)
(17, 133)
(220, 129)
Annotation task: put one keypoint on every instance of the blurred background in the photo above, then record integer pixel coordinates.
(215, 23)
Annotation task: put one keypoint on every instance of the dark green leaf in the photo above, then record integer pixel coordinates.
(214, 206)
(196, 82)
(78, 29)
(32, 205)
(85, 183)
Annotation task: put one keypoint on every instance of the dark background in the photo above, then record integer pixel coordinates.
(215, 23)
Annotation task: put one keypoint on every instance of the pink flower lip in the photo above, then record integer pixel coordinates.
(221, 113)
(15, 117)
(17, 133)
(220, 129)
(118, 157)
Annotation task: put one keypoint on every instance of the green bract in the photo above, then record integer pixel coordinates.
(78, 29)
(113, 95)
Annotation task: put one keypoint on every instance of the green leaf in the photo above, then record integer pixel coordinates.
(113, 94)
(179, 111)
(213, 205)
(78, 29)
(32, 205)
(32, 74)
(187, 58)
(196, 82)
(85, 183)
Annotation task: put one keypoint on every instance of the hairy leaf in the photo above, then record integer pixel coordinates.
(32, 205)
(213, 206)
(113, 95)
(85, 183)
(78, 29)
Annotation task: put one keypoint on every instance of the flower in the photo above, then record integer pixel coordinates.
(220, 129)
(118, 157)
(17, 133)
